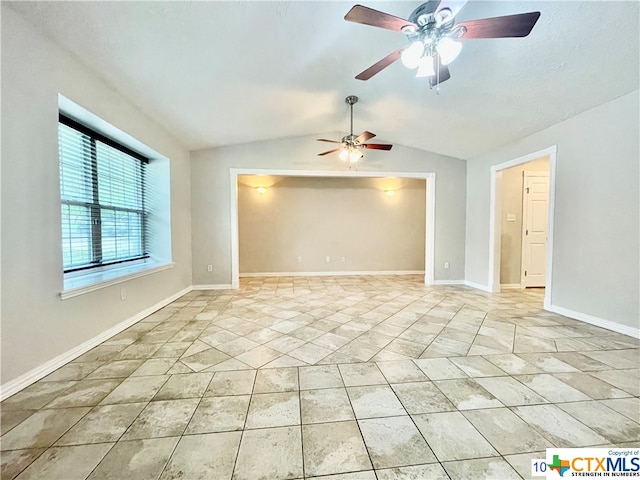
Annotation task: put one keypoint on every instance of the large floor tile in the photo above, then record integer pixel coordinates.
(510, 391)
(12, 462)
(394, 442)
(401, 371)
(452, 437)
(139, 459)
(102, 424)
(219, 414)
(440, 368)
(358, 374)
(320, 376)
(559, 427)
(629, 407)
(237, 382)
(612, 425)
(273, 410)
(375, 401)
(421, 397)
(276, 380)
(203, 457)
(331, 448)
(42, 428)
(467, 394)
(192, 385)
(325, 405)
(270, 454)
(136, 389)
(507, 432)
(164, 418)
(552, 388)
(591, 386)
(66, 463)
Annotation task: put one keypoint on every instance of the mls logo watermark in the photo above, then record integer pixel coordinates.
(588, 462)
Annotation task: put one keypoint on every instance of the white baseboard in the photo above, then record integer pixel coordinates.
(332, 274)
(449, 282)
(510, 286)
(478, 286)
(598, 322)
(13, 386)
(219, 286)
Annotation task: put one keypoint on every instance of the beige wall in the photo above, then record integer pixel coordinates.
(597, 211)
(511, 232)
(312, 218)
(37, 325)
(211, 195)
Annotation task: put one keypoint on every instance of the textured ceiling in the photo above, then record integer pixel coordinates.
(220, 73)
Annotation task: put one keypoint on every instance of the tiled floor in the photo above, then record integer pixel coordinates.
(351, 378)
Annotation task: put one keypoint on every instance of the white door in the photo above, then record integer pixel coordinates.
(535, 197)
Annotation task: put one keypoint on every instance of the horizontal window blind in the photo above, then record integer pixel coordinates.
(103, 200)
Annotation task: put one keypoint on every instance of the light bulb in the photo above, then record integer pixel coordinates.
(389, 193)
(448, 50)
(261, 190)
(425, 68)
(344, 154)
(355, 155)
(411, 56)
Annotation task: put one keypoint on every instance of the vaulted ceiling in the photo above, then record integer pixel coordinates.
(221, 73)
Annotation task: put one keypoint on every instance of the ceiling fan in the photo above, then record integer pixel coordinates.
(350, 145)
(432, 35)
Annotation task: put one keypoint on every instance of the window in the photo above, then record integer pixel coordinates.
(103, 188)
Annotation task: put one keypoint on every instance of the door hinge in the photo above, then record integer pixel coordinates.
(525, 273)
(527, 189)
(526, 232)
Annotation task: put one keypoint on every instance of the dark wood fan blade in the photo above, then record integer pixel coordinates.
(380, 65)
(376, 146)
(364, 136)
(443, 74)
(369, 16)
(325, 140)
(519, 25)
(454, 5)
(329, 151)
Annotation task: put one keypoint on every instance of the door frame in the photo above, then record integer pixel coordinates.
(528, 173)
(495, 210)
(430, 210)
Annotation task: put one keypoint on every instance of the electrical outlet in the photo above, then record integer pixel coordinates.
(446, 264)
(209, 268)
(123, 294)
(327, 259)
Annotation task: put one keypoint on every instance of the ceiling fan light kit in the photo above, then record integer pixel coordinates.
(433, 35)
(351, 145)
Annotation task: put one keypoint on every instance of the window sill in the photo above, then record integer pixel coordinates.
(89, 282)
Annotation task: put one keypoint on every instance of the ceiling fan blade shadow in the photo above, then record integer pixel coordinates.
(376, 146)
(519, 25)
(325, 140)
(364, 136)
(454, 5)
(329, 151)
(375, 18)
(380, 65)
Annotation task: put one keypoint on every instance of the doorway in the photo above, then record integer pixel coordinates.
(510, 221)
(429, 178)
